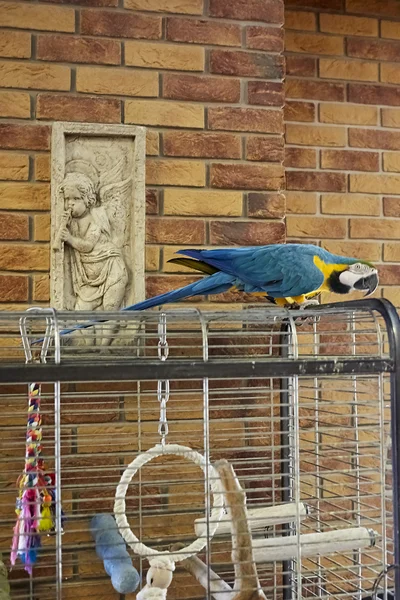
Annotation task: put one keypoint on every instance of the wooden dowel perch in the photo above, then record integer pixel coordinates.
(312, 544)
(259, 518)
(200, 571)
(247, 585)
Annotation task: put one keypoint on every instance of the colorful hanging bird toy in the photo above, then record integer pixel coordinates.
(36, 501)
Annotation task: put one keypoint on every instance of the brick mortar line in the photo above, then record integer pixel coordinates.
(93, 95)
(148, 69)
(174, 15)
(380, 128)
(104, 96)
(213, 160)
(343, 83)
(345, 148)
(349, 126)
(354, 216)
(120, 40)
(333, 34)
(345, 35)
(345, 172)
(25, 243)
(340, 12)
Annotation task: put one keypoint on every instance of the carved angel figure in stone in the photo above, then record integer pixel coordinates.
(90, 228)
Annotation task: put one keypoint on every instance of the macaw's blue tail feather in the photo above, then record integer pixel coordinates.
(213, 284)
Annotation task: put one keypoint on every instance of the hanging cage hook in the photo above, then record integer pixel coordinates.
(163, 384)
(25, 336)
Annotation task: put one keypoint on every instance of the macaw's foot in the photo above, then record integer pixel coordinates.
(308, 303)
(304, 306)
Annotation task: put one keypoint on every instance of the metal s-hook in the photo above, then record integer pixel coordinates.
(163, 384)
(163, 349)
(47, 336)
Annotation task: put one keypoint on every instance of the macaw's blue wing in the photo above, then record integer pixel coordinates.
(280, 270)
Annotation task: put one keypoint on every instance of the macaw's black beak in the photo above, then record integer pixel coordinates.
(369, 283)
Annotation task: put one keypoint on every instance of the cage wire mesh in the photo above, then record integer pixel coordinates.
(301, 409)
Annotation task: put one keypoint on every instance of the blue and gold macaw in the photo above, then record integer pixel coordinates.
(285, 274)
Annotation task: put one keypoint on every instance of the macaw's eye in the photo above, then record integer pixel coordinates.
(359, 268)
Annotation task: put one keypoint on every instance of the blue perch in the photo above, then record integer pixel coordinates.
(111, 548)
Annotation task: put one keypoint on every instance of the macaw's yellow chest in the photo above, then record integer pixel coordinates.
(327, 270)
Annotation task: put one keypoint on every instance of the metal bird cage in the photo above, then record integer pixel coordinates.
(303, 405)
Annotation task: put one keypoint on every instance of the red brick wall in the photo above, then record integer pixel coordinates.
(343, 129)
(204, 77)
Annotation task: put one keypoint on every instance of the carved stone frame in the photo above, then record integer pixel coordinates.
(60, 132)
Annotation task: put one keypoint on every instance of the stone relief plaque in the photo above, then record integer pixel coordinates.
(97, 218)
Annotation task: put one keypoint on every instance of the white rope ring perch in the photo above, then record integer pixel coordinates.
(120, 506)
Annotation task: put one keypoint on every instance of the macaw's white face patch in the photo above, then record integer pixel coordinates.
(360, 277)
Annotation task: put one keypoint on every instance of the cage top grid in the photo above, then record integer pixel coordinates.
(342, 338)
